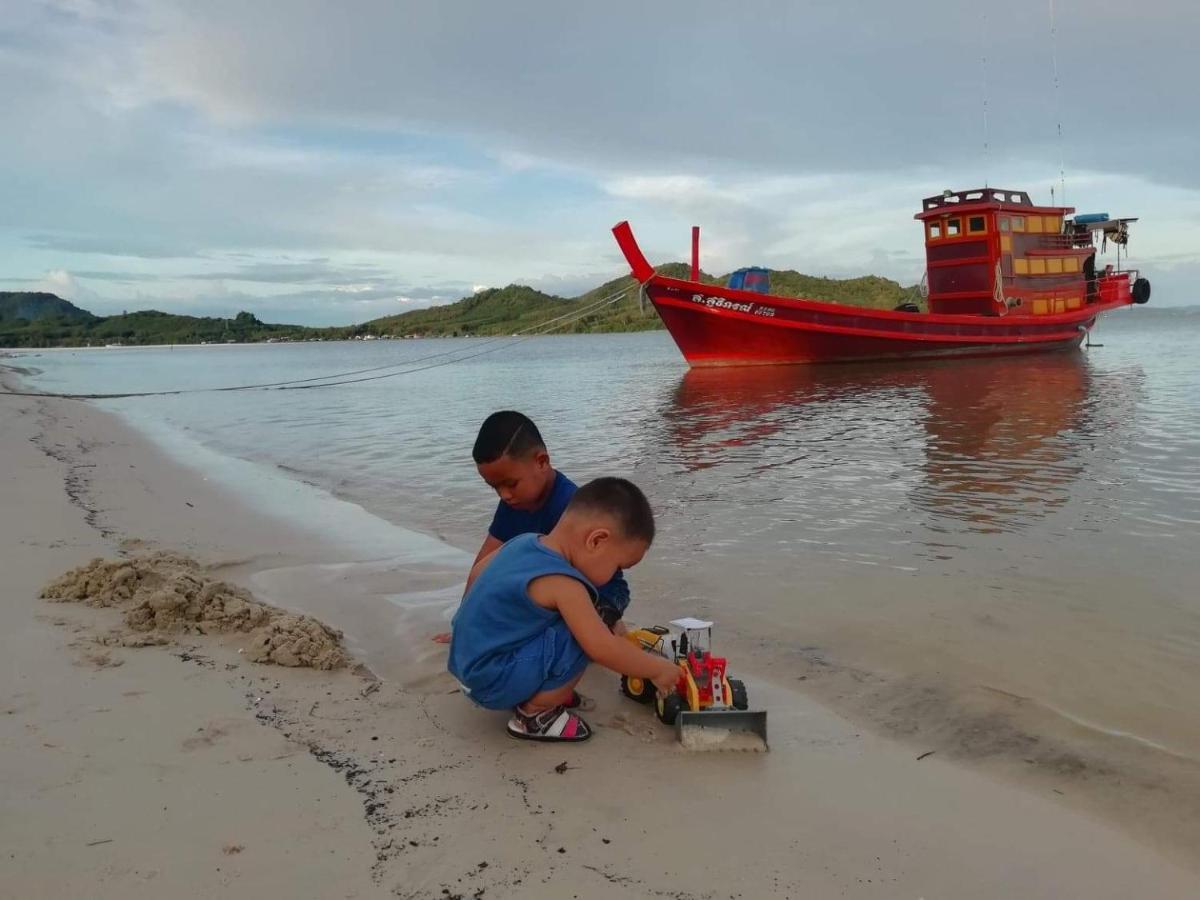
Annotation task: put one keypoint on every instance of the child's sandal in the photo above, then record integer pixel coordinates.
(555, 724)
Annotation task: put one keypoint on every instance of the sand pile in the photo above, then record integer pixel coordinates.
(164, 593)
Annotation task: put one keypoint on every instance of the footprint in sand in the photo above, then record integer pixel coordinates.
(206, 736)
(100, 659)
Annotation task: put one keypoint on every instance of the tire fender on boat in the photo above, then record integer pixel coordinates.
(1141, 290)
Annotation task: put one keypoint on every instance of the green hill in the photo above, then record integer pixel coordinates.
(37, 306)
(516, 307)
(627, 314)
(44, 320)
(494, 311)
(147, 327)
(868, 290)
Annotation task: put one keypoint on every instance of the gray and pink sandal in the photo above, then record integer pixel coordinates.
(556, 724)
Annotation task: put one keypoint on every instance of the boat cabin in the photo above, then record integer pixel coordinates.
(990, 251)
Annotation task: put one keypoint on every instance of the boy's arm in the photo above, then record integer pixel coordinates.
(490, 545)
(574, 604)
(481, 562)
(486, 552)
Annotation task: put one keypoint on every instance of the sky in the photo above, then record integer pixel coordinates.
(327, 163)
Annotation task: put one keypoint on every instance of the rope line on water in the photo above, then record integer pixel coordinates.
(318, 381)
(512, 343)
(582, 312)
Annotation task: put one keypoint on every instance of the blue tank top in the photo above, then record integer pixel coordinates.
(497, 616)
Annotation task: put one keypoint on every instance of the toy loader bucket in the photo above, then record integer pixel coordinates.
(723, 729)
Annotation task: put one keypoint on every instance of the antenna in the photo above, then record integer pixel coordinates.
(986, 147)
(1062, 166)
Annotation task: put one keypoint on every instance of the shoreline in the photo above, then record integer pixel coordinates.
(17, 351)
(849, 812)
(1151, 310)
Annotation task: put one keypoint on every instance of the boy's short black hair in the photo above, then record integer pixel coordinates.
(506, 433)
(621, 500)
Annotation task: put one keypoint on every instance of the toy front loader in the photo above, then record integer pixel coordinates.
(708, 709)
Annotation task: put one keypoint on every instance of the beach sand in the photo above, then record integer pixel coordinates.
(185, 770)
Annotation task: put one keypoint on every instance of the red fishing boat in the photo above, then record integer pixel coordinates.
(1002, 276)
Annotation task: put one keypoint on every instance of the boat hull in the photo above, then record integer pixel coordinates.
(719, 337)
(718, 326)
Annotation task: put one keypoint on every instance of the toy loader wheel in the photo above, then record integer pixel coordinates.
(738, 690)
(639, 689)
(668, 708)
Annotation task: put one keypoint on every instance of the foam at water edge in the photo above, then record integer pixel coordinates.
(301, 505)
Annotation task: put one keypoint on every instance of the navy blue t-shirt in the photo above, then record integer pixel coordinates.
(508, 523)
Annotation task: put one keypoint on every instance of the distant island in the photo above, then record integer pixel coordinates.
(46, 320)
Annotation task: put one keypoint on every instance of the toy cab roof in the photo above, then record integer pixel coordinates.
(690, 624)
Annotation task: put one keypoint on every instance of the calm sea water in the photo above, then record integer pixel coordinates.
(1026, 524)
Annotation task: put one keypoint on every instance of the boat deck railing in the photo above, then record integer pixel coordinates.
(1065, 241)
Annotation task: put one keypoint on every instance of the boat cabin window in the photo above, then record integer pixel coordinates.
(1003, 223)
(976, 224)
(1018, 223)
(953, 227)
(935, 230)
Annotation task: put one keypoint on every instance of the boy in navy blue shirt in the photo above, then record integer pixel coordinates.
(512, 458)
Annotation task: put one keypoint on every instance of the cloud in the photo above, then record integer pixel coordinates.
(140, 246)
(169, 151)
(1173, 283)
(119, 277)
(316, 271)
(852, 86)
(65, 285)
(666, 188)
(568, 285)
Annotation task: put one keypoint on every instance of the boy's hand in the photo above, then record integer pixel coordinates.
(666, 678)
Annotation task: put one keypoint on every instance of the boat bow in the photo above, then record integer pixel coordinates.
(642, 270)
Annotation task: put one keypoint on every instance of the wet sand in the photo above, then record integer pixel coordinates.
(185, 770)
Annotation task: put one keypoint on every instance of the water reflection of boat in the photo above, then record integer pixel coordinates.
(993, 443)
(1005, 444)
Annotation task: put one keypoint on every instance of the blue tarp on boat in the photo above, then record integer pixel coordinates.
(751, 278)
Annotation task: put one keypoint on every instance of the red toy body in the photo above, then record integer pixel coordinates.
(708, 672)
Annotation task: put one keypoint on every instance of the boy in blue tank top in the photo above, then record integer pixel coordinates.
(512, 458)
(529, 624)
